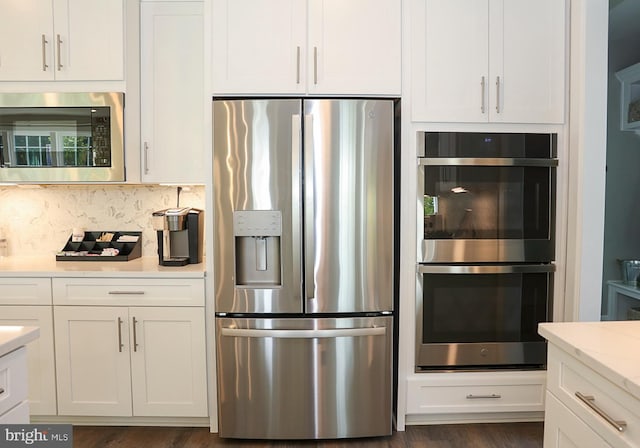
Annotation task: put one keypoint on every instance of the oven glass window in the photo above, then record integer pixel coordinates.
(459, 308)
(55, 137)
(485, 202)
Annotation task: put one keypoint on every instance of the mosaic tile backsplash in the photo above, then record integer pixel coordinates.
(38, 220)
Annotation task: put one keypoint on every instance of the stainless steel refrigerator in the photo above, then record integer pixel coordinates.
(304, 267)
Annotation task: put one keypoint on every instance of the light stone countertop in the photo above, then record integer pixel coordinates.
(47, 266)
(14, 336)
(610, 348)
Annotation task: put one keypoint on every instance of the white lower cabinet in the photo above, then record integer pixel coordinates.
(451, 393)
(141, 360)
(563, 429)
(14, 407)
(586, 409)
(27, 301)
(40, 358)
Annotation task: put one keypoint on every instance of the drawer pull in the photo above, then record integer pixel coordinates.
(118, 293)
(475, 397)
(1, 390)
(589, 400)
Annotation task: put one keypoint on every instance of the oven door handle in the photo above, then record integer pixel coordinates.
(485, 269)
(485, 161)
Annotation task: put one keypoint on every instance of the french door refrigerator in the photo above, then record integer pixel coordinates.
(304, 267)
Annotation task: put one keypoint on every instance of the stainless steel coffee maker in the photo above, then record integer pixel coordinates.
(180, 235)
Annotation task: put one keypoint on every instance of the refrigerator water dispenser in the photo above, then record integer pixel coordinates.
(257, 247)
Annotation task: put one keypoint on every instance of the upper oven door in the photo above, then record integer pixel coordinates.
(495, 206)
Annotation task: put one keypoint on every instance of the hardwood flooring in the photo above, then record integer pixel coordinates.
(485, 435)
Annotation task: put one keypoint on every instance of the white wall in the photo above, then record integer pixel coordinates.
(38, 220)
(587, 160)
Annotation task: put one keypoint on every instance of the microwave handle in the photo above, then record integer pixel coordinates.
(485, 269)
(485, 161)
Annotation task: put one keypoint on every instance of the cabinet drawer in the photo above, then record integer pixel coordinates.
(128, 292)
(25, 291)
(19, 415)
(568, 377)
(13, 379)
(461, 392)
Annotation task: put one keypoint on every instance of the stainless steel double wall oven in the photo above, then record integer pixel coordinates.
(485, 268)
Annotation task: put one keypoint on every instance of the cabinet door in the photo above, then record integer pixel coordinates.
(26, 45)
(172, 92)
(88, 40)
(40, 358)
(259, 46)
(168, 362)
(354, 47)
(563, 429)
(527, 61)
(449, 60)
(92, 360)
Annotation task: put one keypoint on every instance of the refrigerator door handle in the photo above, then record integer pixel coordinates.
(303, 334)
(296, 201)
(309, 215)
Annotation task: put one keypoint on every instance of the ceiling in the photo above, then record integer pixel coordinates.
(624, 17)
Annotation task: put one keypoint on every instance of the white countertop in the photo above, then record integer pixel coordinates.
(138, 267)
(610, 348)
(14, 336)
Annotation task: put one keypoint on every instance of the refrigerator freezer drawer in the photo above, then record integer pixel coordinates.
(304, 378)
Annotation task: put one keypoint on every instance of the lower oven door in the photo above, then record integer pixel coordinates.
(304, 378)
(477, 316)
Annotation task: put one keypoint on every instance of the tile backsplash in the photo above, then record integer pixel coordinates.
(37, 220)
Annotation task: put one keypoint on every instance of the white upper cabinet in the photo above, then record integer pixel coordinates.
(172, 92)
(70, 40)
(488, 61)
(273, 47)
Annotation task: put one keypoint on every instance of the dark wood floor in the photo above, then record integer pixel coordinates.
(489, 435)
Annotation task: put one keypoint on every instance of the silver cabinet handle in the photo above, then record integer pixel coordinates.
(121, 293)
(482, 89)
(135, 335)
(315, 65)
(298, 65)
(44, 53)
(475, 397)
(589, 400)
(497, 94)
(120, 344)
(146, 158)
(58, 42)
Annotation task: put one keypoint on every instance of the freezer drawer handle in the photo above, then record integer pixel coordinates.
(590, 401)
(303, 334)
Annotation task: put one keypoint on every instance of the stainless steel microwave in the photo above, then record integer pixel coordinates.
(62, 137)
